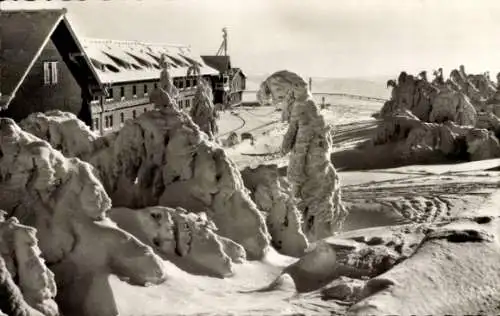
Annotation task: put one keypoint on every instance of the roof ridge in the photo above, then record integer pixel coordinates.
(116, 41)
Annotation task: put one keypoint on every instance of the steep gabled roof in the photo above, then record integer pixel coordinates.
(221, 63)
(23, 35)
(130, 61)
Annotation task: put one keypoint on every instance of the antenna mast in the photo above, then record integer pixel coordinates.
(223, 47)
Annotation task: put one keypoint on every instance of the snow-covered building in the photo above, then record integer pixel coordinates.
(129, 71)
(231, 82)
(44, 66)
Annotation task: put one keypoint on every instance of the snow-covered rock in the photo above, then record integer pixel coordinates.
(187, 239)
(481, 81)
(359, 254)
(20, 260)
(482, 144)
(448, 137)
(312, 176)
(273, 197)
(395, 127)
(63, 199)
(431, 102)
(489, 121)
(450, 105)
(452, 272)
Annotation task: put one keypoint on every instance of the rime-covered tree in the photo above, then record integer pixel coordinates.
(171, 93)
(203, 111)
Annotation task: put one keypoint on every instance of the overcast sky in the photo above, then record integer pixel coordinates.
(327, 38)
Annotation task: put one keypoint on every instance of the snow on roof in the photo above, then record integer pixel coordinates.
(125, 61)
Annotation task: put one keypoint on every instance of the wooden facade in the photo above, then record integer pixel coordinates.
(42, 65)
(48, 86)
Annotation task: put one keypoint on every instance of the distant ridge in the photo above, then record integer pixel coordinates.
(367, 86)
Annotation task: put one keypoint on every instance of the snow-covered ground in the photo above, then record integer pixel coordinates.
(264, 123)
(376, 199)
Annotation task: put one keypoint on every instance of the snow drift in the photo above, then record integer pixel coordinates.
(186, 239)
(62, 198)
(452, 272)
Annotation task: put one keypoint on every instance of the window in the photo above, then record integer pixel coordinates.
(108, 121)
(122, 92)
(145, 110)
(181, 103)
(156, 85)
(181, 83)
(122, 117)
(145, 89)
(188, 103)
(134, 90)
(50, 72)
(110, 94)
(134, 113)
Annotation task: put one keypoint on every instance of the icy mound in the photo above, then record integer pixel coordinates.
(272, 195)
(347, 261)
(20, 260)
(454, 106)
(162, 158)
(449, 138)
(489, 121)
(313, 178)
(186, 239)
(429, 102)
(454, 271)
(66, 203)
(63, 130)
